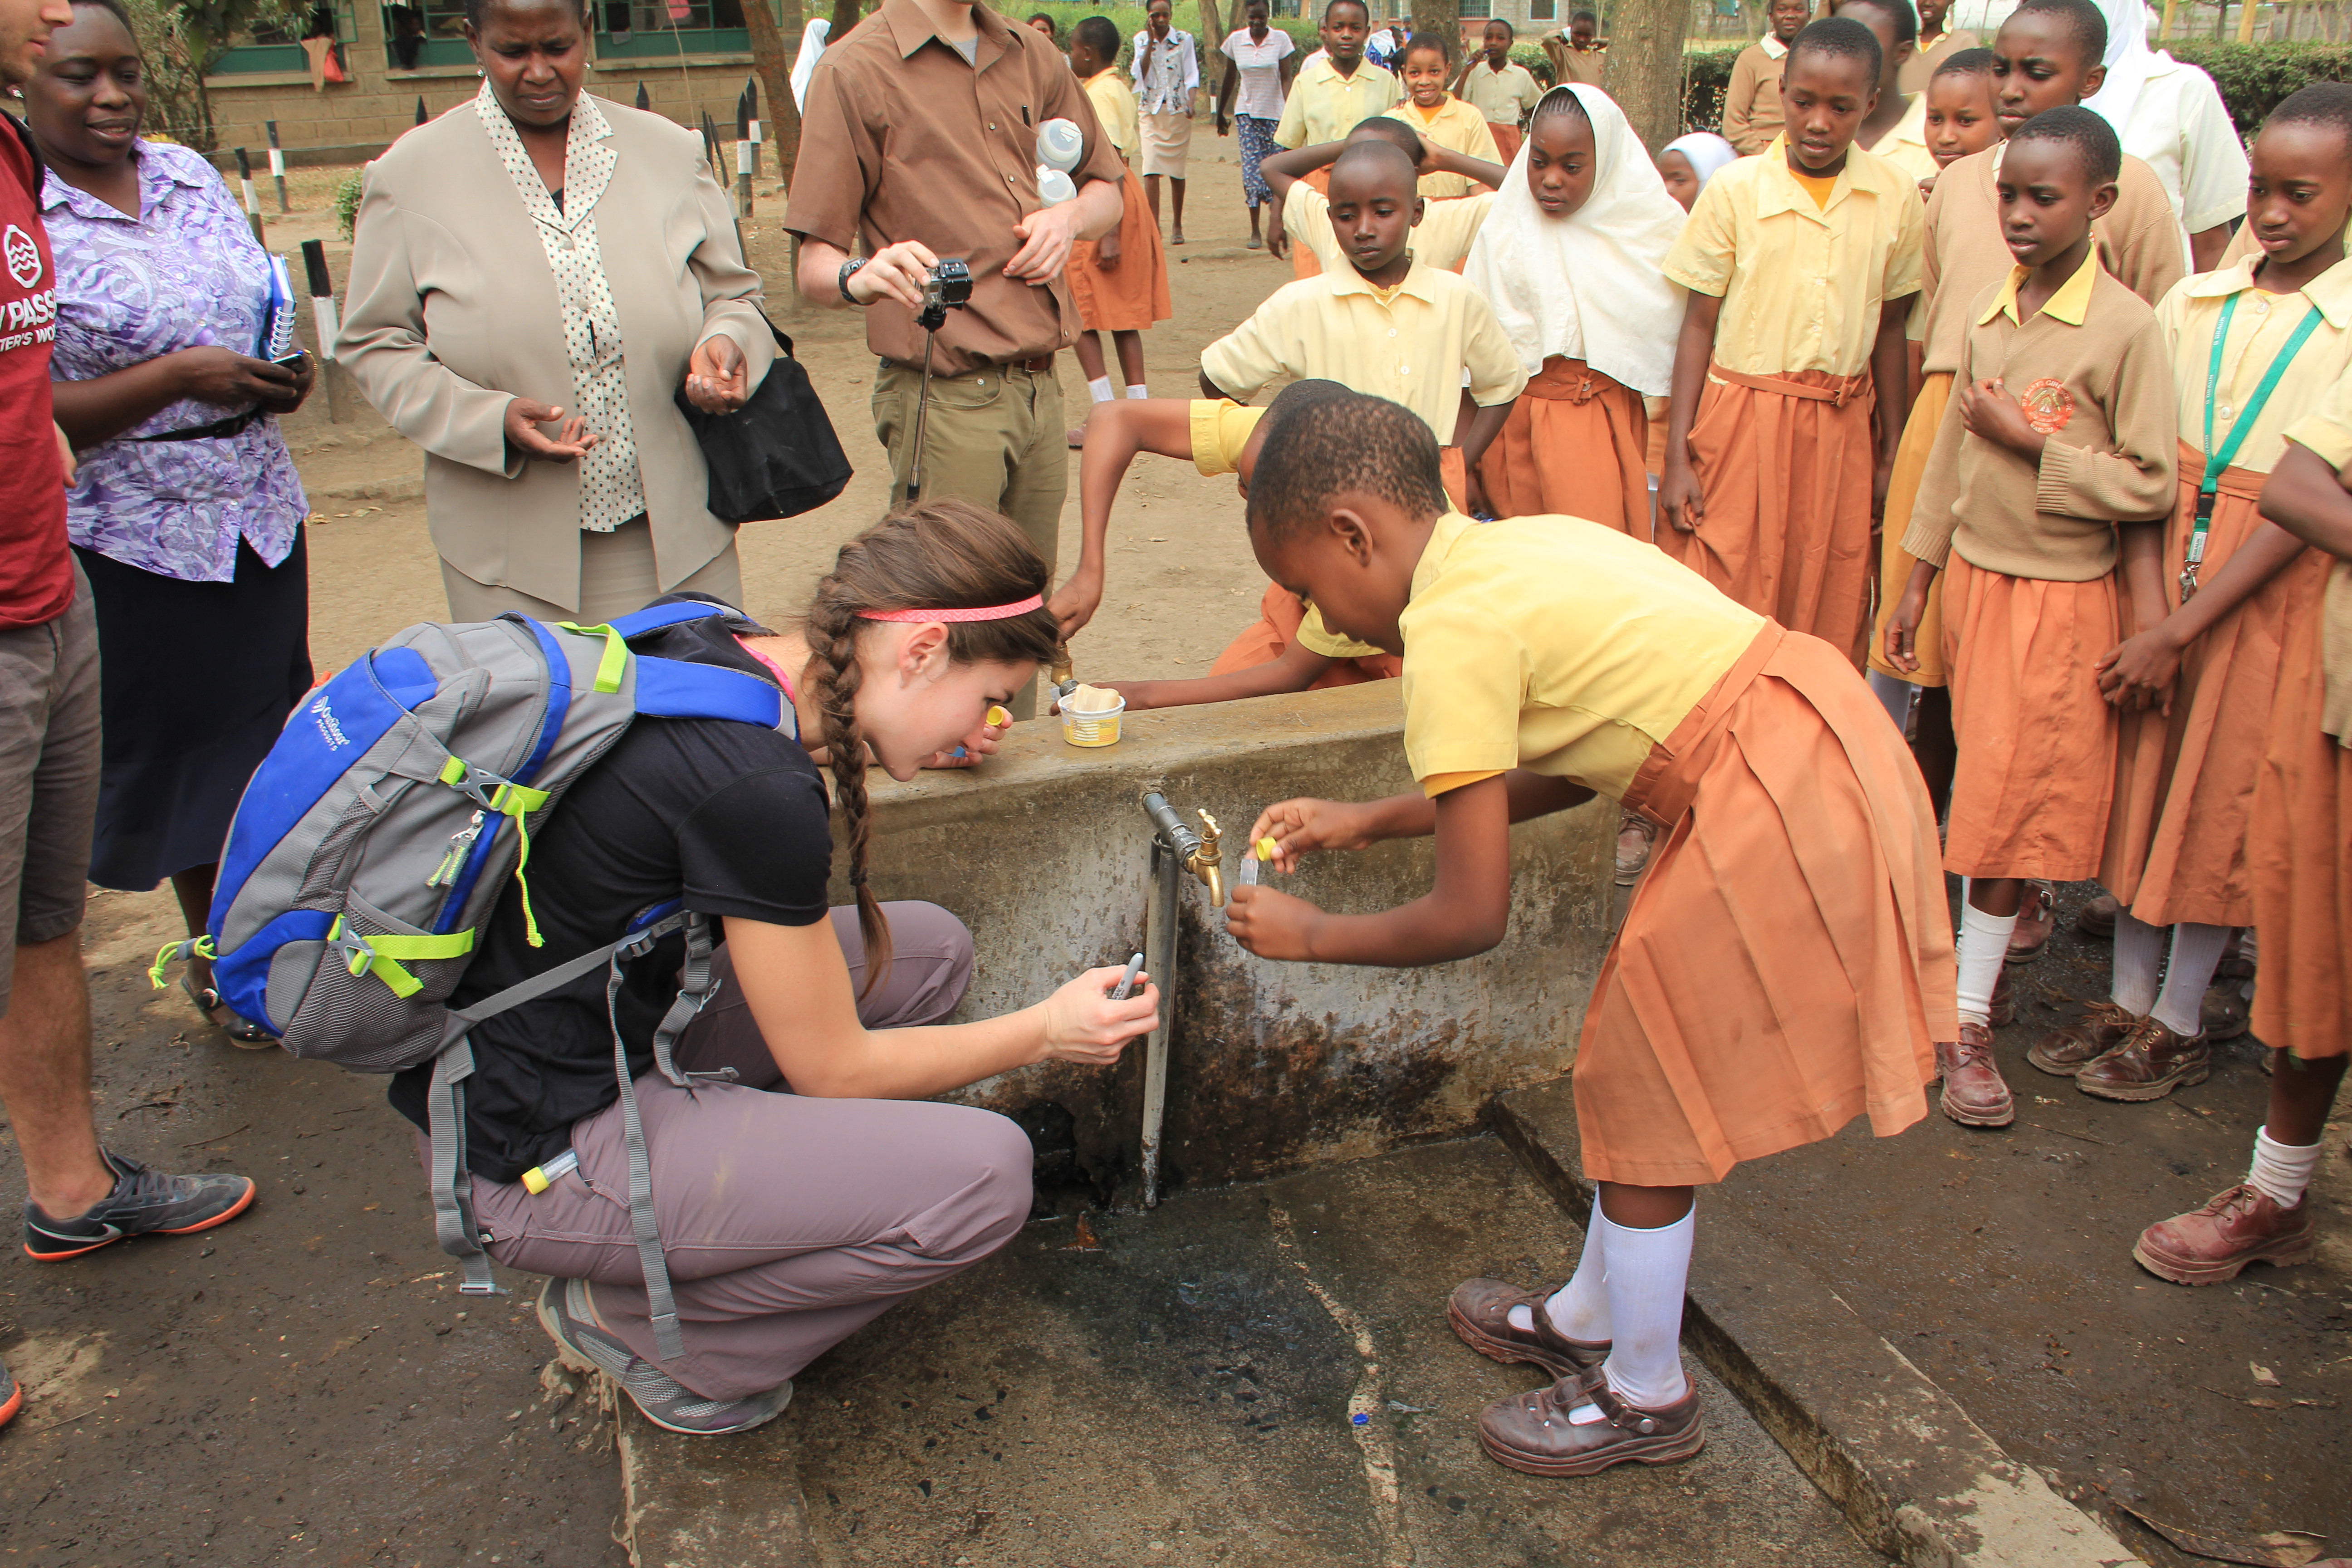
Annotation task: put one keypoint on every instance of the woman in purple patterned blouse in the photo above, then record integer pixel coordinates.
(186, 514)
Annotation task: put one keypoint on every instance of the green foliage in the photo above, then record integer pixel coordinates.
(1129, 19)
(2254, 77)
(347, 200)
(180, 42)
(1706, 74)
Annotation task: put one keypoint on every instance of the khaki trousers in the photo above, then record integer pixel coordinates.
(997, 438)
(617, 576)
(789, 1222)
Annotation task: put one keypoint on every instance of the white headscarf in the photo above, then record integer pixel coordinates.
(2130, 62)
(1706, 152)
(1591, 286)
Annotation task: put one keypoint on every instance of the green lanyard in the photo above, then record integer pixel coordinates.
(2217, 459)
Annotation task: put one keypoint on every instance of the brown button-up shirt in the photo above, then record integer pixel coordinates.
(901, 139)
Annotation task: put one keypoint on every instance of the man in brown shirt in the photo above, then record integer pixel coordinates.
(1752, 104)
(920, 141)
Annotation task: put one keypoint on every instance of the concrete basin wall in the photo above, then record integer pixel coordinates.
(1044, 854)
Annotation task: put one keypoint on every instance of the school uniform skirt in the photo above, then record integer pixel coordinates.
(2037, 742)
(1131, 296)
(195, 681)
(1784, 463)
(2299, 861)
(2185, 786)
(1895, 563)
(1507, 140)
(1732, 1020)
(1573, 447)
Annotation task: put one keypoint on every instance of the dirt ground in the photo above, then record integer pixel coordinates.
(299, 1387)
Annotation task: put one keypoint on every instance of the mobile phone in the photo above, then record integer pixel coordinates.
(293, 361)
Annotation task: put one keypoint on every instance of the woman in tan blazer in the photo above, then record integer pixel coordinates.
(534, 275)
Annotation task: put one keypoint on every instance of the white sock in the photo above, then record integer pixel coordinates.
(1894, 696)
(1100, 389)
(1138, 391)
(2139, 949)
(1646, 1272)
(1578, 1309)
(1984, 946)
(2281, 1171)
(2196, 955)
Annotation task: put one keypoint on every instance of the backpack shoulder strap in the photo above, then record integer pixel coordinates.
(639, 623)
(672, 689)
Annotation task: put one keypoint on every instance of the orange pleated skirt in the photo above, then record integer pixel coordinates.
(2185, 786)
(1895, 563)
(1131, 296)
(2037, 742)
(1280, 612)
(1785, 482)
(2299, 861)
(1574, 445)
(1786, 963)
(1507, 140)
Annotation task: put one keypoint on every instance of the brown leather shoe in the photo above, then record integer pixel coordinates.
(2097, 918)
(2062, 1053)
(2001, 1011)
(2240, 1226)
(1636, 837)
(2227, 1012)
(1480, 1313)
(1975, 1094)
(2037, 918)
(2149, 1065)
(1531, 1432)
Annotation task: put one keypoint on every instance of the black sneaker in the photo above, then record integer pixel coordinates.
(143, 1202)
(565, 1312)
(12, 1397)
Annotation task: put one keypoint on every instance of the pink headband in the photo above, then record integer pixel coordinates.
(990, 613)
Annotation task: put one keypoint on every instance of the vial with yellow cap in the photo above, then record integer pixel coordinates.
(538, 1178)
(1259, 854)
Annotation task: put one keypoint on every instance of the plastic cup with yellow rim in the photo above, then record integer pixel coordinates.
(1098, 728)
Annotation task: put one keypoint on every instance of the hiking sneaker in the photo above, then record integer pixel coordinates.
(12, 1397)
(143, 1202)
(569, 1316)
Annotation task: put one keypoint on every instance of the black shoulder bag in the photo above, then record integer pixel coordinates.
(777, 456)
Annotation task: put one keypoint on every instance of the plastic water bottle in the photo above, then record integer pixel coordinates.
(1053, 186)
(1060, 145)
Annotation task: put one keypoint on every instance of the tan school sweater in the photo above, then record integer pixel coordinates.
(2092, 372)
(1752, 104)
(2139, 246)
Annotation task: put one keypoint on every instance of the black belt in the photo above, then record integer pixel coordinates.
(220, 429)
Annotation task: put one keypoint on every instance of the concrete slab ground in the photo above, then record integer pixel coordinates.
(2000, 1263)
(1182, 1390)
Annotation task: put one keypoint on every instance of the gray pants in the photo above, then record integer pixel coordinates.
(789, 1222)
(49, 775)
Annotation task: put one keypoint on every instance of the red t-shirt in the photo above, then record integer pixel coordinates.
(36, 568)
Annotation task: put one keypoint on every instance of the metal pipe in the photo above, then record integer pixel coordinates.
(1160, 945)
(1172, 831)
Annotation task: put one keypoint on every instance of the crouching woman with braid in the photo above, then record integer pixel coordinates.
(805, 1185)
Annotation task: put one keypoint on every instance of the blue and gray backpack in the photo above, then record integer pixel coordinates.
(375, 839)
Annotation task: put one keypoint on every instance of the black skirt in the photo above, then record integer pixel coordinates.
(196, 680)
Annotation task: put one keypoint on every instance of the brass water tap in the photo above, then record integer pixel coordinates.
(1207, 862)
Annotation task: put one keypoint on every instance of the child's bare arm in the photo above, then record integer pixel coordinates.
(1485, 426)
(1299, 667)
(2141, 670)
(2309, 500)
(1436, 160)
(1680, 500)
(1283, 170)
(1115, 432)
(1297, 826)
(1890, 373)
(2140, 563)
(1903, 624)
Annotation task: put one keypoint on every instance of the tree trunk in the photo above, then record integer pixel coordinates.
(772, 58)
(845, 17)
(1645, 69)
(1443, 17)
(1213, 64)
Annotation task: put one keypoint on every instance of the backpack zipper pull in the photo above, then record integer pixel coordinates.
(453, 859)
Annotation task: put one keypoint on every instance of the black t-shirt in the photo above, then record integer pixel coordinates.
(731, 816)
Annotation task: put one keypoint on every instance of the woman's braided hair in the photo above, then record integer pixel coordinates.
(934, 555)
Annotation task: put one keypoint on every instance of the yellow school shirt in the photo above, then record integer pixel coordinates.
(1457, 127)
(1800, 285)
(1558, 646)
(1114, 103)
(1221, 429)
(1504, 97)
(1324, 106)
(2326, 428)
(1905, 146)
(1442, 237)
(2326, 432)
(2258, 328)
(1410, 347)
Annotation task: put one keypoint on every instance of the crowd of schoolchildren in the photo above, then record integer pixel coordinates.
(1930, 475)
